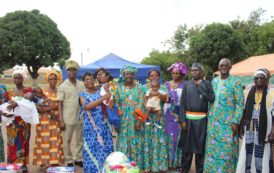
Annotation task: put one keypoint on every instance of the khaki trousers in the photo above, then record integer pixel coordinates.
(67, 139)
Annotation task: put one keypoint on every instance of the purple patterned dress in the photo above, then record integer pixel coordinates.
(171, 111)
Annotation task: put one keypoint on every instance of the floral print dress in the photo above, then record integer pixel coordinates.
(155, 143)
(129, 141)
(222, 148)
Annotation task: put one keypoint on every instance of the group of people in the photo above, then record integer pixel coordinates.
(182, 119)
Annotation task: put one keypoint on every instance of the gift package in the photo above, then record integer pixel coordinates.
(60, 170)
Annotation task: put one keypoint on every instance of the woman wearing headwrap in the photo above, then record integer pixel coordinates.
(155, 139)
(172, 110)
(128, 96)
(18, 132)
(257, 128)
(48, 148)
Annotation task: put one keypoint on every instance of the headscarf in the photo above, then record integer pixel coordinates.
(20, 72)
(196, 64)
(260, 71)
(55, 72)
(126, 68)
(178, 66)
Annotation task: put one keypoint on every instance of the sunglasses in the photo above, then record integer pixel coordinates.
(257, 78)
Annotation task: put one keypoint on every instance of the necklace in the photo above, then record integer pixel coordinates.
(258, 100)
(175, 85)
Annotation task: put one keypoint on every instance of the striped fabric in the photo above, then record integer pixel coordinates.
(195, 115)
(48, 148)
(252, 145)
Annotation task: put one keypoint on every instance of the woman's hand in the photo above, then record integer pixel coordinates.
(235, 128)
(137, 125)
(7, 115)
(106, 96)
(12, 105)
(271, 135)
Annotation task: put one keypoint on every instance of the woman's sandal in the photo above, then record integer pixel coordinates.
(43, 168)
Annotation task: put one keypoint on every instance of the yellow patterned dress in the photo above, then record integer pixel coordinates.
(48, 148)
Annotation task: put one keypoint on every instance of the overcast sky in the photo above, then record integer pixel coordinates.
(131, 28)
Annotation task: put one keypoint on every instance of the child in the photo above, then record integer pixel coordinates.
(152, 102)
(108, 105)
(107, 87)
(42, 100)
(20, 106)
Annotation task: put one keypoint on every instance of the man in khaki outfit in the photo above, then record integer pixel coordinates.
(68, 107)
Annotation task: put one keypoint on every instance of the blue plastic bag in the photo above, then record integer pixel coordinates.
(113, 117)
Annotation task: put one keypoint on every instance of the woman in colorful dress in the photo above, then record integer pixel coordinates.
(48, 148)
(3, 98)
(155, 139)
(18, 132)
(172, 109)
(128, 96)
(257, 127)
(97, 144)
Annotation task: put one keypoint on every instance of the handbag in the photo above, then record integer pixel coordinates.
(113, 116)
(139, 115)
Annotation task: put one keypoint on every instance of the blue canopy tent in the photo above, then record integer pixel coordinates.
(113, 64)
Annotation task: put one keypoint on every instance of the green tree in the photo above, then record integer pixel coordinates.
(251, 30)
(163, 59)
(31, 38)
(214, 42)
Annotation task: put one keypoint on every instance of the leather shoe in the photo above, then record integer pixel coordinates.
(70, 165)
(80, 164)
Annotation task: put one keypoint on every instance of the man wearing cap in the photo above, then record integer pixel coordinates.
(68, 107)
(197, 93)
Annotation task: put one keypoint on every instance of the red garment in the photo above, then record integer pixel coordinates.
(18, 134)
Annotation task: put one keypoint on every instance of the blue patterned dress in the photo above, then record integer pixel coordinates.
(97, 141)
(222, 148)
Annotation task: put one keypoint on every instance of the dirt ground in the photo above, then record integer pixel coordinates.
(36, 169)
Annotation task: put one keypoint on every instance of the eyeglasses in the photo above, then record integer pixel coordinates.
(257, 78)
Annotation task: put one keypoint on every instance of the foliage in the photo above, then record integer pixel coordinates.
(237, 40)
(31, 38)
(214, 42)
(263, 39)
(164, 60)
(249, 30)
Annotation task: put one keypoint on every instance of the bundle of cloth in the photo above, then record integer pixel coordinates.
(25, 108)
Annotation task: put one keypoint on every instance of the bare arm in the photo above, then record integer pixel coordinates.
(95, 103)
(60, 110)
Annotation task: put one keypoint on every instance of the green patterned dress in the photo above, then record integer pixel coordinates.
(222, 148)
(2, 100)
(129, 141)
(155, 143)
